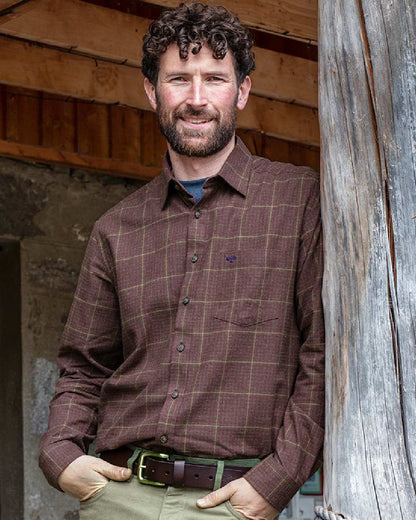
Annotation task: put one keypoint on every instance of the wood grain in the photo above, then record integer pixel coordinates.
(368, 125)
(58, 123)
(125, 133)
(7, 4)
(282, 120)
(73, 160)
(84, 78)
(23, 117)
(293, 18)
(133, 136)
(93, 129)
(153, 144)
(115, 36)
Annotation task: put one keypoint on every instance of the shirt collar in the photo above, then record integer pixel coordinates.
(235, 171)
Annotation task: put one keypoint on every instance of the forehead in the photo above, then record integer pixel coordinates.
(201, 62)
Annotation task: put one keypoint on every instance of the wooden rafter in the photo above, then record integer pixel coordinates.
(6, 5)
(111, 166)
(111, 35)
(293, 18)
(78, 76)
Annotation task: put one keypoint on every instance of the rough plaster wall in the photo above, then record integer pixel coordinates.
(51, 211)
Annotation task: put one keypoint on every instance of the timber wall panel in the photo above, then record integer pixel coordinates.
(118, 140)
(93, 129)
(115, 36)
(23, 114)
(125, 133)
(2, 113)
(99, 81)
(58, 123)
(152, 143)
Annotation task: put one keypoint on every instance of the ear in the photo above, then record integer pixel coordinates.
(151, 93)
(243, 92)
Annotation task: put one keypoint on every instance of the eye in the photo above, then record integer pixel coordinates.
(215, 79)
(178, 79)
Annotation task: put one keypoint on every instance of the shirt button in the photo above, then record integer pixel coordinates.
(174, 394)
(197, 214)
(186, 300)
(163, 439)
(194, 259)
(180, 347)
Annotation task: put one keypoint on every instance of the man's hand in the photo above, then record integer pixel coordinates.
(86, 475)
(244, 499)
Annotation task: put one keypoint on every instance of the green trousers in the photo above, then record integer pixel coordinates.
(134, 501)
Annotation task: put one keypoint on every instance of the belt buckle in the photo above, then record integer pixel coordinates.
(142, 466)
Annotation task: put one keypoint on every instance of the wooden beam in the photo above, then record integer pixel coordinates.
(48, 155)
(57, 72)
(282, 120)
(115, 36)
(8, 4)
(293, 18)
(368, 122)
(79, 26)
(81, 77)
(285, 78)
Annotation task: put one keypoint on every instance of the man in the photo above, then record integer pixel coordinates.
(194, 347)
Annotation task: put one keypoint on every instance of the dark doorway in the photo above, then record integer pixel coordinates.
(11, 434)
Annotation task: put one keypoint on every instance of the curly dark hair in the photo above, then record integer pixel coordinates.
(197, 24)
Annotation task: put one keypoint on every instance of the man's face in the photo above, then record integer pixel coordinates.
(196, 101)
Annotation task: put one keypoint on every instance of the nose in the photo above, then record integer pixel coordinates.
(197, 94)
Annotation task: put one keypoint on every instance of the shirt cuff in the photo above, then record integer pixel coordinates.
(272, 482)
(55, 458)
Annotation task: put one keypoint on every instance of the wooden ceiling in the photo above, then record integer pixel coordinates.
(91, 50)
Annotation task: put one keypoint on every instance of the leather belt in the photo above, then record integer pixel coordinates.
(178, 473)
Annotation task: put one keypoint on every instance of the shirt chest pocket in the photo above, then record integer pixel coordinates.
(245, 286)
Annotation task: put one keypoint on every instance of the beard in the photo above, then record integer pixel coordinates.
(194, 142)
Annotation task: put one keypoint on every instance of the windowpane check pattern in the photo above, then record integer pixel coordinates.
(198, 328)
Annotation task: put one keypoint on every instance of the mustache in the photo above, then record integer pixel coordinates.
(192, 112)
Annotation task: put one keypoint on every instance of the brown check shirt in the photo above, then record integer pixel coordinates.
(198, 328)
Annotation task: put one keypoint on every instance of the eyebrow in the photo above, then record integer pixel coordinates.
(208, 73)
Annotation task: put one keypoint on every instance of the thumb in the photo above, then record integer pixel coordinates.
(113, 472)
(217, 497)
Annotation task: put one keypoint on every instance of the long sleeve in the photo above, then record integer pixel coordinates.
(89, 352)
(299, 442)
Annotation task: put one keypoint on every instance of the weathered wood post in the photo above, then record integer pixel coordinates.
(368, 127)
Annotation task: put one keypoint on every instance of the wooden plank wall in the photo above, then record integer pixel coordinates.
(118, 140)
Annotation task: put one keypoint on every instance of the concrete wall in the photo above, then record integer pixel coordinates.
(50, 211)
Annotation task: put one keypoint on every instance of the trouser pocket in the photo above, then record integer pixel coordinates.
(234, 513)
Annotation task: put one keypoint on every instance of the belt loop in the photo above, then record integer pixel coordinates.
(178, 473)
(219, 474)
(132, 459)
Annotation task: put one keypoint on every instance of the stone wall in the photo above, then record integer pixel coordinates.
(50, 212)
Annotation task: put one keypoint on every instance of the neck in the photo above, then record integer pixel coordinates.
(193, 168)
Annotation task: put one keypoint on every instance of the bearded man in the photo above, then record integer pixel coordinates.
(194, 349)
